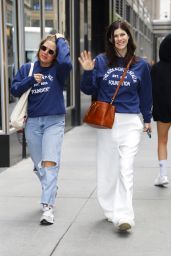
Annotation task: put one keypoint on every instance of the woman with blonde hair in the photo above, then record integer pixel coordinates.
(45, 124)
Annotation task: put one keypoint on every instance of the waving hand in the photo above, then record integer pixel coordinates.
(86, 60)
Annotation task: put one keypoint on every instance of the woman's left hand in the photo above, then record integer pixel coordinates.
(147, 126)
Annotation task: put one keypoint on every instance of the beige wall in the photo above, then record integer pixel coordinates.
(153, 7)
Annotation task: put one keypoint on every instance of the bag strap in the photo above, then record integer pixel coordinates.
(31, 69)
(121, 81)
(30, 74)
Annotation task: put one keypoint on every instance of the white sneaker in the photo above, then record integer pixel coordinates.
(47, 217)
(161, 181)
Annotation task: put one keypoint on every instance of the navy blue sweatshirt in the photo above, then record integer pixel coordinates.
(135, 93)
(45, 98)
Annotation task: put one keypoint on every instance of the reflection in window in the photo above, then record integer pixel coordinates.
(10, 49)
(49, 23)
(0, 107)
(35, 23)
(48, 5)
(82, 25)
(9, 16)
(36, 5)
(0, 96)
(32, 30)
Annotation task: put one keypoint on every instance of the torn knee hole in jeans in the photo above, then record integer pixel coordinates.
(48, 164)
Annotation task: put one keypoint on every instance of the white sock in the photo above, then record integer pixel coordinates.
(163, 167)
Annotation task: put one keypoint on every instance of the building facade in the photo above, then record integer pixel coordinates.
(153, 7)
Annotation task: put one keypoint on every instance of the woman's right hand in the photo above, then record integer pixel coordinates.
(86, 61)
(38, 77)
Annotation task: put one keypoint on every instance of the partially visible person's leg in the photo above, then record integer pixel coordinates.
(162, 132)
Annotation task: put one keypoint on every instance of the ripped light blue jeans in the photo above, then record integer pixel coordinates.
(44, 136)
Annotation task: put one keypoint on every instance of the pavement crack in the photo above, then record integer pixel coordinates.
(72, 222)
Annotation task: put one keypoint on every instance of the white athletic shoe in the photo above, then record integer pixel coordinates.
(47, 217)
(161, 181)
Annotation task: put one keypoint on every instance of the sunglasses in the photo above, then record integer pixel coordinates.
(44, 49)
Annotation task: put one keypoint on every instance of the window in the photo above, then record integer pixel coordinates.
(49, 23)
(36, 5)
(0, 102)
(35, 23)
(32, 29)
(48, 5)
(141, 26)
(27, 21)
(128, 13)
(135, 18)
(119, 7)
(11, 53)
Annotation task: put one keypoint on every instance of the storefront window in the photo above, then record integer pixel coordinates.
(82, 47)
(89, 24)
(0, 90)
(85, 25)
(0, 99)
(49, 5)
(51, 16)
(32, 29)
(36, 5)
(10, 15)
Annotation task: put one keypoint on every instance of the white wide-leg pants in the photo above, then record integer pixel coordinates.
(116, 149)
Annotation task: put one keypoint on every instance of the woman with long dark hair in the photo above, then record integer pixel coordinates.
(117, 147)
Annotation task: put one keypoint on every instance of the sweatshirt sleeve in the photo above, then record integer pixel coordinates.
(63, 58)
(89, 81)
(22, 82)
(145, 94)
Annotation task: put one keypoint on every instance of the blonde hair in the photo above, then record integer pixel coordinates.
(51, 38)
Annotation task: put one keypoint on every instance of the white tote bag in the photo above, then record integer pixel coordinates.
(19, 113)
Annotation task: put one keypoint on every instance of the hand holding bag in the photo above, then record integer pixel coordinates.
(19, 113)
(102, 114)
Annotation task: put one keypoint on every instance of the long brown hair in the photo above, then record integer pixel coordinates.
(110, 50)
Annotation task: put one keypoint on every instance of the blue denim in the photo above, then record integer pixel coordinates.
(49, 184)
(44, 136)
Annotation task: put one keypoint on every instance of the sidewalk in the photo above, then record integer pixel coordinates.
(80, 228)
